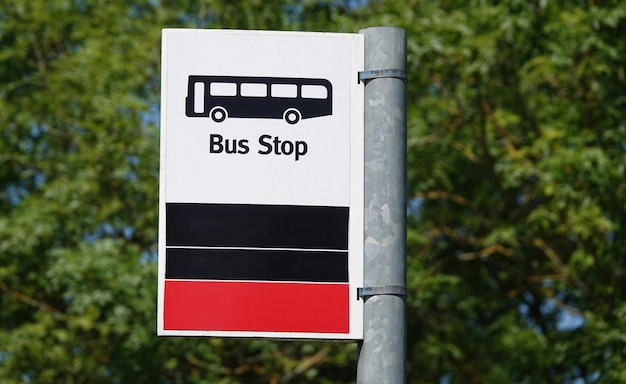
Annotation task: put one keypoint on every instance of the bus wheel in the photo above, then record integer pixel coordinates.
(292, 116)
(218, 114)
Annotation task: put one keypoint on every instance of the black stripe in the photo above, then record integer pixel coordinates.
(239, 264)
(268, 226)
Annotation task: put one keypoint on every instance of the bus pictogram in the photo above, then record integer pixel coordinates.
(291, 99)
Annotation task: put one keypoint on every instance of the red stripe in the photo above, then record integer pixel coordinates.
(256, 306)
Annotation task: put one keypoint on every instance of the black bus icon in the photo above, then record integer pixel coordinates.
(291, 99)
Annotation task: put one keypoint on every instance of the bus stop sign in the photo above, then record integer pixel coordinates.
(261, 185)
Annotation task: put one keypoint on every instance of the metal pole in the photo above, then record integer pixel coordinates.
(382, 355)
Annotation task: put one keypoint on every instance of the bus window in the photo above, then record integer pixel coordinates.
(285, 90)
(314, 92)
(223, 89)
(253, 90)
(198, 102)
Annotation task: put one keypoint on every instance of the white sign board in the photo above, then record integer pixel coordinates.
(261, 184)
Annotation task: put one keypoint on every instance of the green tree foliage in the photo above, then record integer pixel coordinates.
(516, 175)
(79, 93)
(517, 132)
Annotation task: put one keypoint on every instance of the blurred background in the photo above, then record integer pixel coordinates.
(517, 192)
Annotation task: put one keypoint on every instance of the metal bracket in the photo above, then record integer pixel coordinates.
(393, 290)
(367, 76)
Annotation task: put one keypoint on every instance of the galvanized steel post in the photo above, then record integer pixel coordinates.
(382, 355)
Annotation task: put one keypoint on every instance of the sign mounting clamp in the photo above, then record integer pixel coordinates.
(367, 76)
(393, 290)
